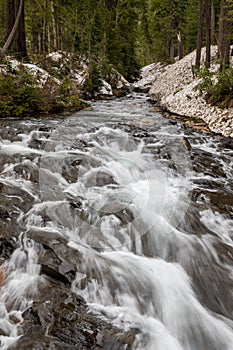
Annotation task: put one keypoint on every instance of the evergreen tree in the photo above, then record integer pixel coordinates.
(123, 33)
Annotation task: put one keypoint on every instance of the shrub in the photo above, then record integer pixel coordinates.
(19, 97)
(94, 82)
(218, 89)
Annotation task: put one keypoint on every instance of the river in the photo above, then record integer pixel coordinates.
(125, 209)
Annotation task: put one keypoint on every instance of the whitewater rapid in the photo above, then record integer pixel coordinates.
(137, 212)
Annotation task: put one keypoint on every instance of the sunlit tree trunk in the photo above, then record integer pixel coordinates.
(180, 46)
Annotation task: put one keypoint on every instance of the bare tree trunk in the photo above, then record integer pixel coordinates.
(213, 34)
(49, 39)
(108, 4)
(199, 35)
(76, 29)
(180, 46)
(44, 35)
(14, 29)
(55, 36)
(39, 43)
(208, 31)
(171, 49)
(20, 36)
(10, 17)
(224, 35)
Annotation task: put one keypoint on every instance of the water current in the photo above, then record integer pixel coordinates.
(140, 205)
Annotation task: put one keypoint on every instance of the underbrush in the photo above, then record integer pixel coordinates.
(22, 95)
(217, 88)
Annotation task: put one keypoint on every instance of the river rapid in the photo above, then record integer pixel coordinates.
(128, 212)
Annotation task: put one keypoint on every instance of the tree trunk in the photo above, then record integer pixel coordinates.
(20, 36)
(213, 34)
(44, 35)
(224, 35)
(180, 46)
(208, 31)
(108, 4)
(10, 17)
(199, 35)
(55, 36)
(171, 49)
(16, 31)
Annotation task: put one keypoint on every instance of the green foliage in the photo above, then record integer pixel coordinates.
(65, 87)
(125, 33)
(88, 27)
(68, 99)
(189, 26)
(94, 82)
(207, 80)
(159, 26)
(218, 89)
(19, 97)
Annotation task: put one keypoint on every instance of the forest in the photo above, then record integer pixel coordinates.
(125, 33)
(111, 37)
(116, 174)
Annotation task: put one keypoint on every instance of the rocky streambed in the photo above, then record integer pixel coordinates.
(116, 232)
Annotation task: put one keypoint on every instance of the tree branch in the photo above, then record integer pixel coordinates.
(13, 31)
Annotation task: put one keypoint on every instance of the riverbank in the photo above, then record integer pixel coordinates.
(174, 89)
(59, 82)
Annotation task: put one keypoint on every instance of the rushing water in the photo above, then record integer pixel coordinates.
(146, 219)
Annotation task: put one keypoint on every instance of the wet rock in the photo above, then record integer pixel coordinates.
(28, 171)
(9, 213)
(51, 272)
(2, 276)
(55, 267)
(187, 143)
(46, 235)
(100, 179)
(204, 162)
(227, 143)
(60, 320)
(7, 246)
(206, 271)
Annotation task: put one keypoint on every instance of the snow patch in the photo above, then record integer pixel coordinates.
(175, 90)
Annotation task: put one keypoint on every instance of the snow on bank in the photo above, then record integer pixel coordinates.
(175, 90)
(76, 68)
(41, 75)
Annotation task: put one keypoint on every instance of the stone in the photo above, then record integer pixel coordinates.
(61, 320)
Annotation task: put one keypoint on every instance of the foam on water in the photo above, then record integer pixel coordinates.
(125, 211)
